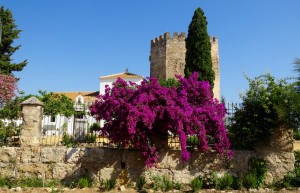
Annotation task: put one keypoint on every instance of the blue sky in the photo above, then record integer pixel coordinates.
(70, 44)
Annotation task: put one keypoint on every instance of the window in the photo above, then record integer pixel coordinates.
(52, 118)
(79, 114)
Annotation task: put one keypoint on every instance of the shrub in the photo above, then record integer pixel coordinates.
(136, 114)
(167, 182)
(109, 184)
(141, 182)
(83, 183)
(266, 106)
(67, 140)
(2, 182)
(31, 182)
(162, 183)
(297, 135)
(250, 181)
(292, 179)
(210, 180)
(177, 186)
(196, 184)
(94, 127)
(223, 183)
(192, 142)
(91, 138)
(258, 168)
(237, 183)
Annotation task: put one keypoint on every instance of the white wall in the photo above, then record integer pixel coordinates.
(110, 81)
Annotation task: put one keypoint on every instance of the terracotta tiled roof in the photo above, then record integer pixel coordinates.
(87, 96)
(122, 75)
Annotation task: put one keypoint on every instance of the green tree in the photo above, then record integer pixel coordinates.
(7, 49)
(54, 104)
(198, 49)
(297, 69)
(267, 105)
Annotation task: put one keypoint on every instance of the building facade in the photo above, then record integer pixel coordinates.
(167, 58)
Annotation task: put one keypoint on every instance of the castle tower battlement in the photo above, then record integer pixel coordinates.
(167, 36)
(167, 57)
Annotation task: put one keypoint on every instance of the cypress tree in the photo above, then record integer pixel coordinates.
(9, 34)
(198, 49)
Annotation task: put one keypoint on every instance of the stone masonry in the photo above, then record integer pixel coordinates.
(167, 58)
(127, 165)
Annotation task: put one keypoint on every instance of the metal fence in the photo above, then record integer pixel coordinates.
(10, 131)
(76, 130)
(230, 110)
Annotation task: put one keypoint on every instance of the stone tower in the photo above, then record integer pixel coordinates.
(167, 58)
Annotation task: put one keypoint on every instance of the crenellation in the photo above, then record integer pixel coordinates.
(175, 35)
(167, 35)
(182, 35)
(167, 57)
(213, 39)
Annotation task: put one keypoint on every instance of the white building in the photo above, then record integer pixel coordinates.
(110, 79)
(78, 124)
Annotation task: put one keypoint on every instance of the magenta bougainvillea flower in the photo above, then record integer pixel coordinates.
(133, 113)
(8, 88)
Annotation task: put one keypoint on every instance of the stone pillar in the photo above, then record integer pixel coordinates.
(32, 112)
(278, 153)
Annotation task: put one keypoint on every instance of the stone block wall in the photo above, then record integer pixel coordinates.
(167, 58)
(69, 164)
(99, 163)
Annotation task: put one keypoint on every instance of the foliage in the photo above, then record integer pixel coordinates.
(192, 142)
(8, 88)
(297, 69)
(196, 184)
(267, 105)
(7, 48)
(259, 169)
(210, 180)
(292, 179)
(169, 82)
(2, 181)
(297, 135)
(141, 182)
(56, 104)
(250, 181)
(84, 183)
(91, 138)
(198, 49)
(12, 109)
(67, 140)
(237, 183)
(134, 114)
(31, 182)
(177, 186)
(27, 182)
(94, 127)
(224, 183)
(162, 183)
(256, 176)
(7, 132)
(109, 184)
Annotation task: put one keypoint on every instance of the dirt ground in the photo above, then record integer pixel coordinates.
(97, 190)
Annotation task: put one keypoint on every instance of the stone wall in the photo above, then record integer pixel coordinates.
(69, 164)
(99, 163)
(167, 58)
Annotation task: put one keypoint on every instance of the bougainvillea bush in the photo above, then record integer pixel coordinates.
(8, 88)
(134, 113)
